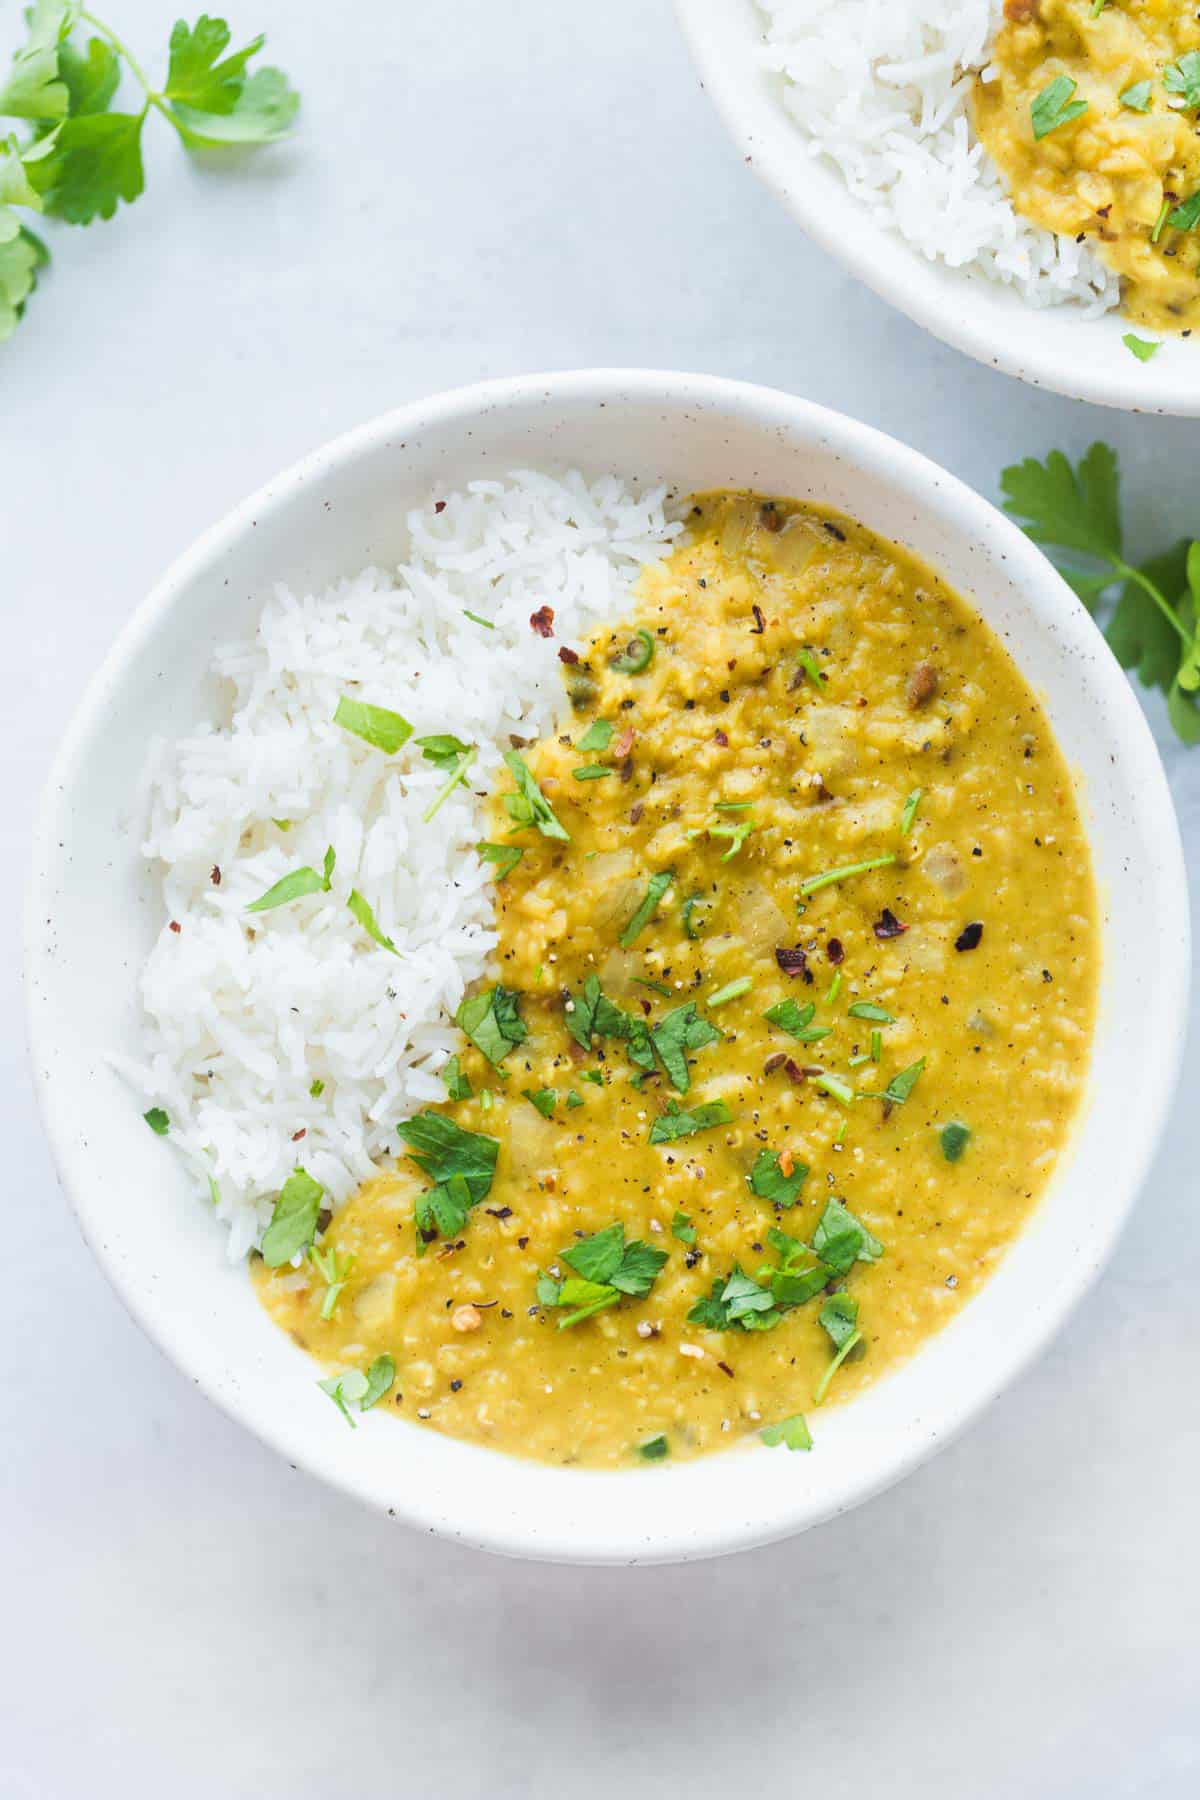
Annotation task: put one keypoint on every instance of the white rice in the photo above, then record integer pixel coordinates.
(881, 88)
(246, 1012)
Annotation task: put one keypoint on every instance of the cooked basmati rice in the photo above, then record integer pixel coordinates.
(882, 88)
(246, 1012)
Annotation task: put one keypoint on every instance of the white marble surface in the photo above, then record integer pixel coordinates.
(480, 189)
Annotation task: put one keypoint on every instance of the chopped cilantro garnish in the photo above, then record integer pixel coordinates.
(737, 831)
(811, 667)
(813, 882)
(366, 918)
(1137, 98)
(758, 1303)
(573, 1098)
(292, 887)
(693, 927)
(545, 1099)
(317, 1088)
(675, 1123)
(505, 856)
(841, 1240)
(457, 1085)
(682, 1228)
(1142, 348)
(834, 1086)
(1185, 216)
(461, 1165)
(954, 1139)
(835, 988)
(592, 1075)
(654, 1449)
(158, 1121)
(797, 1021)
(529, 806)
(731, 991)
(492, 1020)
(605, 1268)
(1054, 107)
(1182, 79)
(334, 1271)
(598, 735)
(453, 756)
(476, 620)
(839, 1318)
(294, 1220)
(592, 772)
(909, 811)
(793, 1432)
(866, 1009)
(903, 1082)
(656, 888)
(375, 725)
(876, 1045)
(655, 987)
(680, 1031)
(353, 1388)
(768, 1180)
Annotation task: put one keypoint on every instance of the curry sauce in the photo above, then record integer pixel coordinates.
(793, 996)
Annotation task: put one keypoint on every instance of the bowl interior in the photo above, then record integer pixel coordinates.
(93, 913)
(1055, 347)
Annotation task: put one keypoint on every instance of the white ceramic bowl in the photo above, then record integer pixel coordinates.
(1054, 347)
(93, 913)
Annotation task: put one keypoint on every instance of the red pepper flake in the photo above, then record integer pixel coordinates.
(794, 1072)
(793, 961)
(625, 772)
(719, 737)
(175, 926)
(439, 506)
(776, 1061)
(624, 743)
(568, 656)
(215, 877)
(887, 925)
(834, 951)
(542, 621)
(760, 624)
(969, 936)
(635, 813)
(297, 1135)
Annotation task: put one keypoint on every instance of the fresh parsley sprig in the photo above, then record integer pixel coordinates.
(1153, 622)
(82, 159)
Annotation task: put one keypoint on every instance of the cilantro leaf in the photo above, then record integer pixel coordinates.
(769, 1182)
(266, 110)
(793, 1432)
(598, 735)
(1054, 107)
(654, 1449)
(461, 1164)
(87, 165)
(841, 1240)
(1183, 79)
(839, 1319)
(674, 1124)
(797, 1021)
(366, 918)
(1077, 509)
(457, 1085)
(296, 885)
(442, 749)
(21, 256)
(158, 1121)
(34, 89)
(294, 1221)
(605, 1268)
(902, 1083)
(375, 725)
(505, 856)
(492, 1020)
(682, 1227)
(680, 1031)
(195, 77)
(380, 1376)
(1141, 638)
(655, 889)
(91, 77)
(543, 1099)
(529, 806)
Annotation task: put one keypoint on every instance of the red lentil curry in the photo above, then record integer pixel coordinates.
(790, 1016)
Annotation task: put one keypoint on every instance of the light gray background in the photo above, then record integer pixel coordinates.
(478, 189)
